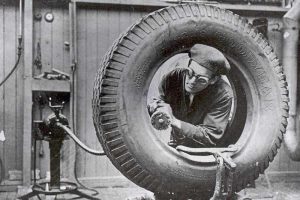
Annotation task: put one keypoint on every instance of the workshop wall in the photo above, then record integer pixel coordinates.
(11, 94)
(50, 52)
(97, 28)
(49, 37)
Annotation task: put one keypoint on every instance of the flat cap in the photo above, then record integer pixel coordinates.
(210, 58)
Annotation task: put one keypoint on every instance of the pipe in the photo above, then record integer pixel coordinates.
(20, 36)
(21, 16)
(19, 50)
(290, 59)
(74, 61)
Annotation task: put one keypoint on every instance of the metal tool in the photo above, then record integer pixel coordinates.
(55, 74)
(160, 120)
(225, 168)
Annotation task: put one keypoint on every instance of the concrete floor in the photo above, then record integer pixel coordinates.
(265, 189)
(273, 189)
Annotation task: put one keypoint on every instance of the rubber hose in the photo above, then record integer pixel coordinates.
(77, 140)
(11, 72)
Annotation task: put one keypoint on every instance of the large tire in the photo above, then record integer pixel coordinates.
(120, 93)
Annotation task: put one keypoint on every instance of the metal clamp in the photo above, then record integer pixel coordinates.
(225, 168)
(224, 177)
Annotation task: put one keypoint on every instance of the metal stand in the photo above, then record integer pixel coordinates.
(53, 130)
(55, 186)
(69, 188)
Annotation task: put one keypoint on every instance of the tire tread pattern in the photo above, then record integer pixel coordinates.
(105, 112)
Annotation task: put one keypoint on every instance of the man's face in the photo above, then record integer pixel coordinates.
(197, 78)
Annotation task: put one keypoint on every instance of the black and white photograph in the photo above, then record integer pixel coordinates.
(149, 99)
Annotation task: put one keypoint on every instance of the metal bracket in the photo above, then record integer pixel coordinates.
(225, 168)
(224, 177)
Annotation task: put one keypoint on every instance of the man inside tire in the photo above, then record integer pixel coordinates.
(196, 99)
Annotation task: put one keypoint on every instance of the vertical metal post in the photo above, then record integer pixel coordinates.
(73, 58)
(73, 64)
(27, 104)
(55, 146)
(34, 159)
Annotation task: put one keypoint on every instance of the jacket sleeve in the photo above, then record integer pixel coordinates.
(214, 124)
(161, 97)
(165, 88)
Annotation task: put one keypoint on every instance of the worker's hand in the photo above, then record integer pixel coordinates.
(164, 107)
(159, 105)
(153, 106)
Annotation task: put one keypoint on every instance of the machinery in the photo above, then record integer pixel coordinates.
(55, 129)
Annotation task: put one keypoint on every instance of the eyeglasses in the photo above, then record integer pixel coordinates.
(198, 78)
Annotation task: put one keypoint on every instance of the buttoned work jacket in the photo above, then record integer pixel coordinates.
(205, 119)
